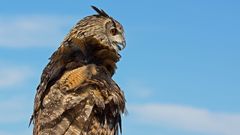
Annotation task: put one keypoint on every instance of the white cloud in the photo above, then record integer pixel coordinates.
(31, 31)
(14, 132)
(13, 110)
(12, 76)
(188, 118)
(5, 133)
(138, 89)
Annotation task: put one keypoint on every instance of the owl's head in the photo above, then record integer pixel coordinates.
(101, 29)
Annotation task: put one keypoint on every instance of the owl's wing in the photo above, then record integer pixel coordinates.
(68, 106)
(52, 102)
(62, 60)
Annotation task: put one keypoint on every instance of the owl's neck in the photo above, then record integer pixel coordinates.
(76, 53)
(102, 57)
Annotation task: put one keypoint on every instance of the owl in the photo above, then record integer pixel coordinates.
(76, 94)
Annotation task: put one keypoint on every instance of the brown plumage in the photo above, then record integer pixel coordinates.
(76, 95)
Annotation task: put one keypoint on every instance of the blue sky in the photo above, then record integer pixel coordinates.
(180, 69)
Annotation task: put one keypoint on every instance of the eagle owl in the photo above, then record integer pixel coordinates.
(77, 95)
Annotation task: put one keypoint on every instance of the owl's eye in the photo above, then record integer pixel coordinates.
(113, 31)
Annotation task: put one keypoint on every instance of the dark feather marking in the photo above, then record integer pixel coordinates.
(120, 123)
(100, 12)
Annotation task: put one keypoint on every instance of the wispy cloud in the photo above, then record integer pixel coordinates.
(14, 132)
(5, 133)
(12, 76)
(138, 89)
(188, 118)
(13, 110)
(31, 31)
(16, 107)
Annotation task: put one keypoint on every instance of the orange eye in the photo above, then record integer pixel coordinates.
(113, 31)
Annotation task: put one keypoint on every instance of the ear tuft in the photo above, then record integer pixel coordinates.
(100, 11)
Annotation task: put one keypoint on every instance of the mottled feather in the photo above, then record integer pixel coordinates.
(76, 94)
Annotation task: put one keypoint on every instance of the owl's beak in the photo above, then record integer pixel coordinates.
(121, 45)
(119, 42)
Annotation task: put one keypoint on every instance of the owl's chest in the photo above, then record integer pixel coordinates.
(107, 93)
